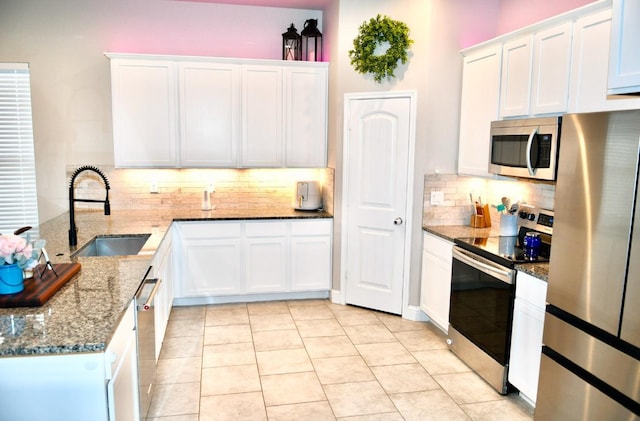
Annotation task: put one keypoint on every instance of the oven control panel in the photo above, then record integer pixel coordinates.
(536, 218)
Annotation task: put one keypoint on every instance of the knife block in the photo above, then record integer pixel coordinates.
(482, 219)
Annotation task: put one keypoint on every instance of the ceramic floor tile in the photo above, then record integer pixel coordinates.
(368, 334)
(223, 355)
(283, 361)
(268, 307)
(232, 316)
(190, 346)
(264, 322)
(227, 334)
(504, 409)
(179, 370)
(317, 312)
(440, 361)
(387, 416)
(226, 306)
(236, 407)
(309, 302)
(356, 317)
(313, 411)
(385, 354)
(467, 387)
(431, 405)
(175, 399)
(190, 417)
(283, 389)
(403, 378)
(189, 312)
(184, 327)
(315, 328)
(398, 324)
(342, 370)
(329, 346)
(270, 340)
(421, 340)
(232, 379)
(359, 398)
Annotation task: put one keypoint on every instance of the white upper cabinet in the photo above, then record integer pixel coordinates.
(262, 122)
(171, 111)
(209, 114)
(478, 108)
(590, 66)
(551, 70)
(305, 116)
(624, 58)
(515, 86)
(144, 99)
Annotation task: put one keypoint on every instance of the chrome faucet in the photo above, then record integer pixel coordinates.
(73, 234)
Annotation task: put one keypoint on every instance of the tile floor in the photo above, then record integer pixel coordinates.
(315, 360)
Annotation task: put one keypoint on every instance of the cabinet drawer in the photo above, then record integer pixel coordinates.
(265, 229)
(314, 227)
(438, 247)
(209, 230)
(531, 289)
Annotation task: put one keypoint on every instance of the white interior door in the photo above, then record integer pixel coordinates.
(377, 179)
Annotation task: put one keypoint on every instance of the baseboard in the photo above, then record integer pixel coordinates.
(249, 298)
(414, 313)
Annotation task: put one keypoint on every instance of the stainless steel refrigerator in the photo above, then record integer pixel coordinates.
(590, 368)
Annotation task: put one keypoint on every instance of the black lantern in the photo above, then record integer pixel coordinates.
(291, 44)
(311, 41)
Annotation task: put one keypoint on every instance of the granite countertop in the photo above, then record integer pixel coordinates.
(83, 314)
(451, 232)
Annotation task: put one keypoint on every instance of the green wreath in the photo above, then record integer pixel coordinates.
(372, 33)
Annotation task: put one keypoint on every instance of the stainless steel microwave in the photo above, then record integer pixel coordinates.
(525, 148)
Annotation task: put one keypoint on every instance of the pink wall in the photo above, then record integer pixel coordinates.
(515, 14)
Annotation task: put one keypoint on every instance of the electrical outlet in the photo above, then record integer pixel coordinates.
(153, 187)
(437, 198)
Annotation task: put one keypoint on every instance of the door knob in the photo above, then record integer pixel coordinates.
(397, 221)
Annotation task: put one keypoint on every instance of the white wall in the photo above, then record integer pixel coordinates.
(64, 41)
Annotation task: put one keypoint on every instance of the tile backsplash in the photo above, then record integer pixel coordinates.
(456, 208)
(183, 188)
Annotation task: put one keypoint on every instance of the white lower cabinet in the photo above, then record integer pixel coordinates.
(228, 258)
(435, 288)
(526, 337)
(91, 386)
(162, 270)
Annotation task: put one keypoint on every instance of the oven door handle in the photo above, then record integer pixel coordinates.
(484, 265)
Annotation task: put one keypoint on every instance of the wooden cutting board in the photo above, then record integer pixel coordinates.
(38, 290)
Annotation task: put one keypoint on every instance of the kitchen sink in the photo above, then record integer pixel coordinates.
(113, 245)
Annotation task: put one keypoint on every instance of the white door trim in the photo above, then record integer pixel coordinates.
(348, 97)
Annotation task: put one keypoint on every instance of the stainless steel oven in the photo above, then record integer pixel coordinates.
(482, 296)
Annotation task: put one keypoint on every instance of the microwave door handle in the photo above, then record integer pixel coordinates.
(532, 171)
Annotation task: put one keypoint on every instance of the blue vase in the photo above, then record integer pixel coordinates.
(11, 280)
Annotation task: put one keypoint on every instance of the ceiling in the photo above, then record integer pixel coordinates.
(291, 4)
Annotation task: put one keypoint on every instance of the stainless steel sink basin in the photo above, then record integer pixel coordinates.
(113, 245)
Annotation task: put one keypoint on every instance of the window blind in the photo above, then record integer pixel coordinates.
(18, 196)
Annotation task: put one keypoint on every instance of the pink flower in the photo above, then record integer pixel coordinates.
(15, 249)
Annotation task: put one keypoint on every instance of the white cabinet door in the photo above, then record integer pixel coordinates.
(310, 259)
(624, 60)
(209, 114)
(305, 98)
(144, 102)
(164, 297)
(526, 336)
(478, 108)
(265, 256)
(551, 70)
(210, 260)
(515, 85)
(590, 67)
(435, 288)
(262, 118)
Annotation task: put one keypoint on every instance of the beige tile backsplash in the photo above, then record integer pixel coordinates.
(456, 208)
(183, 188)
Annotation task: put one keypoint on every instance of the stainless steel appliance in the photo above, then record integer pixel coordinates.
(145, 326)
(483, 281)
(525, 148)
(590, 366)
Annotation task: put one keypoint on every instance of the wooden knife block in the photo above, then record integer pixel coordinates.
(482, 219)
